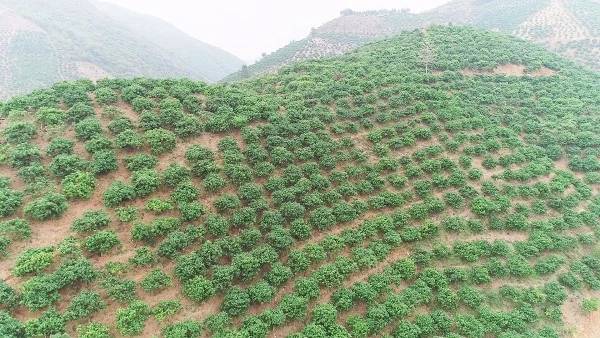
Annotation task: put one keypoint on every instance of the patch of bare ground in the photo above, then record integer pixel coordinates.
(91, 71)
(489, 235)
(509, 70)
(578, 323)
(488, 174)
(128, 111)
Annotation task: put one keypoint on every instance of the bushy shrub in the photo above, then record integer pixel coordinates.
(246, 265)
(122, 290)
(33, 261)
(104, 161)
(106, 96)
(238, 174)
(185, 192)
(84, 305)
(39, 292)
(79, 112)
(140, 104)
(16, 228)
(213, 182)
(198, 289)
(9, 326)
(155, 280)
(60, 146)
(294, 307)
(191, 211)
(34, 174)
(102, 242)
(149, 120)
(165, 309)
(24, 154)
(63, 165)
(216, 225)
(188, 126)
(51, 116)
(91, 220)
(120, 124)
(143, 257)
(261, 292)
(158, 227)
(51, 205)
(129, 139)
(160, 140)
(126, 214)
(10, 201)
(98, 143)
(145, 182)
(93, 330)
(187, 329)
(19, 132)
(236, 301)
(88, 128)
(132, 319)
(175, 174)
(322, 218)
(482, 206)
(140, 161)
(78, 185)
(226, 202)
(49, 323)
(197, 153)
(280, 238)
(9, 298)
(590, 305)
(117, 193)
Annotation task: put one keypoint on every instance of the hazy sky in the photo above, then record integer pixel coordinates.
(247, 28)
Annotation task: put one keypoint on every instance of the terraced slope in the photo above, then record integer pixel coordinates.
(364, 195)
(44, 42)
(569, 27)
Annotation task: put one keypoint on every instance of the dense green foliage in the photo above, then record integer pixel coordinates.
(357, 196)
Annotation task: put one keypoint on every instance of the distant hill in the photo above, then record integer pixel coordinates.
(43, 42)
(568, 27)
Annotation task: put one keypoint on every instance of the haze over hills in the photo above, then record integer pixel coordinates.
(568, 27)
(441, 183)
(45, 42)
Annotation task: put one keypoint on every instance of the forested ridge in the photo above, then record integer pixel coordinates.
(567, 27)
(441, 183)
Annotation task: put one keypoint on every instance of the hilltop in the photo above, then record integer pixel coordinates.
(568, 27)
(42, 43)
(444, 182)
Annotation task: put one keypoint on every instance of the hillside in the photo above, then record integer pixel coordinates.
(440, 183)
(568, 27)
(42, 43)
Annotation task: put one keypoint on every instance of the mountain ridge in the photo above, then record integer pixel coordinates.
(76, 39)
(550, 23)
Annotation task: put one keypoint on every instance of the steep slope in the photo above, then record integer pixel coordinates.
(213, 62)
(440, 183)
(42, 43)
(569, 27)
